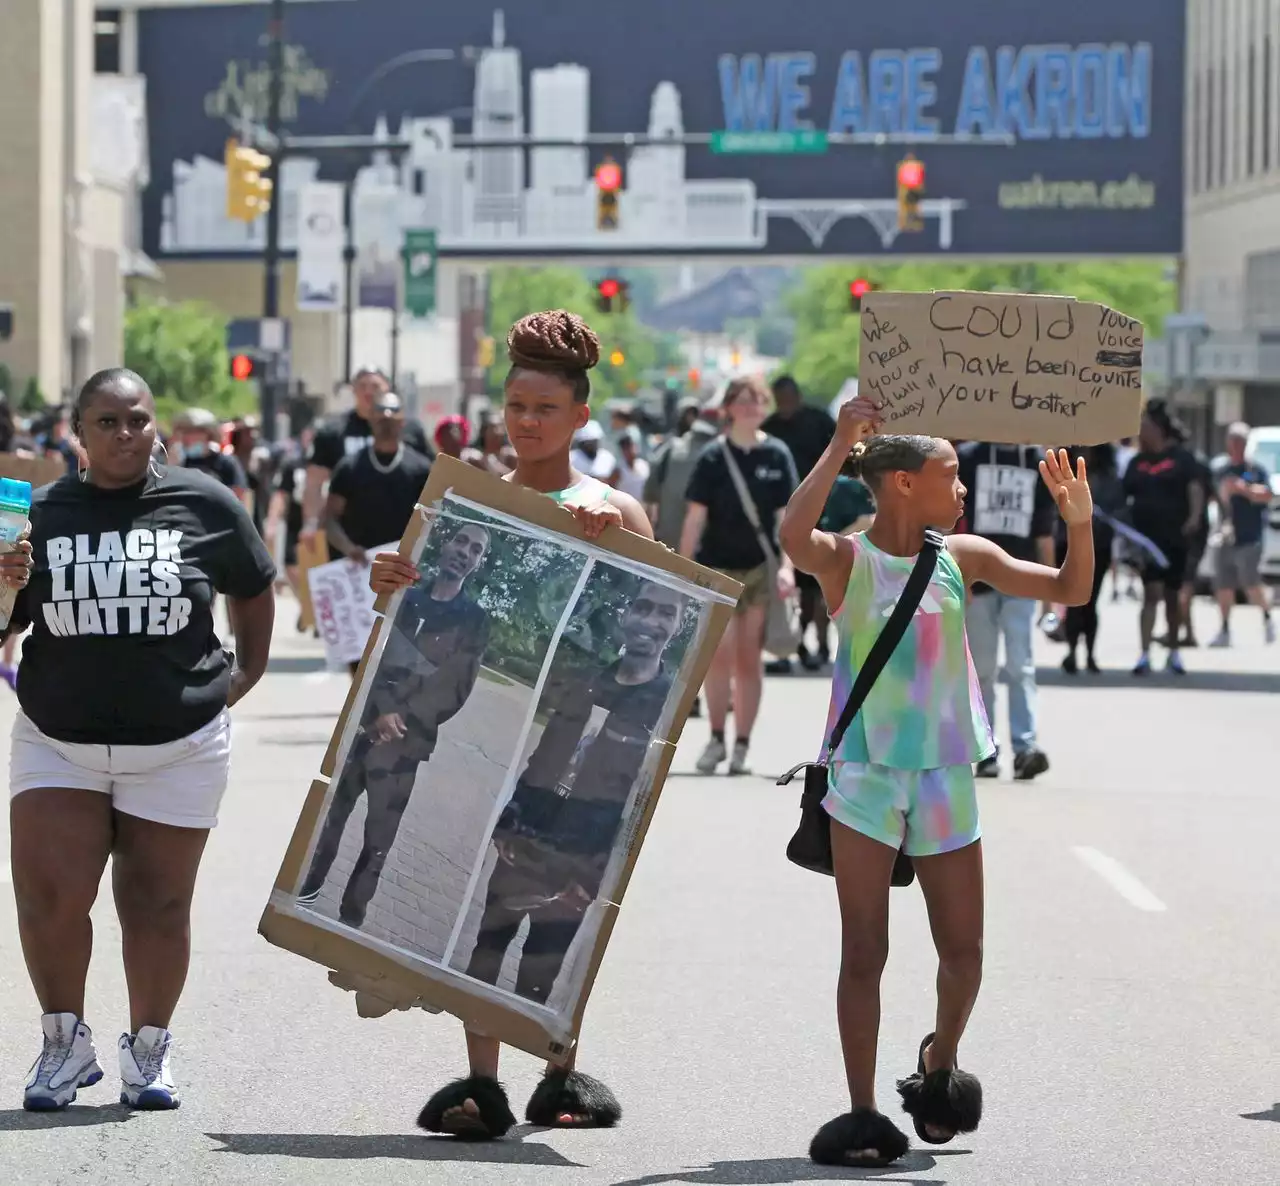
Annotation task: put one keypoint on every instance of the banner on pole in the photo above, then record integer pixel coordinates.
(320, 243)
(420, 272)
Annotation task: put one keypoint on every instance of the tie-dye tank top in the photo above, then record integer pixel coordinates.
(925, 711)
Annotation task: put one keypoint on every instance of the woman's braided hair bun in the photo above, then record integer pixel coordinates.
(556, 340)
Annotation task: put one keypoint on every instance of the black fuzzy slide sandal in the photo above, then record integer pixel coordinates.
(570, 1099)
(863, 1138)
(471, 1109)
(950, 1100)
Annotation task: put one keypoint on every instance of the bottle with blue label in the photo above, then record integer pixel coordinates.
(15, 513)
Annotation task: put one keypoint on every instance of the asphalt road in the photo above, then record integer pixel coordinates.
(1127, 1033)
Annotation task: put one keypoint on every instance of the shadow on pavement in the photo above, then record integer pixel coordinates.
(1193, 681)
(777, 1171)
(76, 1116)
(400, 1146)
(1273, 1115)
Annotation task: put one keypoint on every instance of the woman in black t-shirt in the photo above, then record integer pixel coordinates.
(718, 533)
(122, 743)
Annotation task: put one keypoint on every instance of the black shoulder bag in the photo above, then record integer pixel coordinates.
(810, 847)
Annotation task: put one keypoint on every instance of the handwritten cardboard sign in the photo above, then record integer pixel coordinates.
(343, 604)
(1004, 367)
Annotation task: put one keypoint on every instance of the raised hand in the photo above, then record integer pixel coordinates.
(1070, 491)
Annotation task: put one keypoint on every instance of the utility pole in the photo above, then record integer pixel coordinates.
(271, 255)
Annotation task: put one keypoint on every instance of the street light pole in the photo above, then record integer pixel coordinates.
(271, 253)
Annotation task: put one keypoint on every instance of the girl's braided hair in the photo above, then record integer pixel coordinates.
(870, 460)
(556, 342)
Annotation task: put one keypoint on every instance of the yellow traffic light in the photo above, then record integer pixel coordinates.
(617, 358)
(248, 189)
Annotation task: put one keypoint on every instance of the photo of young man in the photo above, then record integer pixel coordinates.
(557, 833)
(427, 672)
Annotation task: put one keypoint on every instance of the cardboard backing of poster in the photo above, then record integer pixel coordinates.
(509, 729)
(1003, 367)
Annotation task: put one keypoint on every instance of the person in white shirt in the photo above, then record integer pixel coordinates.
(632, 470)
(588, 456)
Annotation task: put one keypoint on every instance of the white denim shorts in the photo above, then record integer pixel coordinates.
(180, 783)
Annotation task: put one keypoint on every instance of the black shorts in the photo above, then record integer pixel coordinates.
(1179, 567)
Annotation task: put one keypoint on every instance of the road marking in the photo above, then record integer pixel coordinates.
(1120, 879)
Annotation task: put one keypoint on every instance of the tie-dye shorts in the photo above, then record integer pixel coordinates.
(934, 811)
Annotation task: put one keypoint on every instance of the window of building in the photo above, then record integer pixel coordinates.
(106, 41)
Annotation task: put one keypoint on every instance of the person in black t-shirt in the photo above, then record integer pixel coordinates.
(806, 431)
(1166, 498)
(122, 745)
(373, 492)
(718, 533)
(349, 435)
(196, 431)
(555, 837)
(1244, 490)
(1014, 509)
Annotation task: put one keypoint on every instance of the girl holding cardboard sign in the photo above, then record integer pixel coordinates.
(546, 403)
(902, 775)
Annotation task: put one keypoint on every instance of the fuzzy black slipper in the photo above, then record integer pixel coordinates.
(945, 1099)
(861, 1138)
(570, 1099)
(488, 1119)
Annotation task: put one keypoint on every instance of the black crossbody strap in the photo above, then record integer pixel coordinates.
(889, 637)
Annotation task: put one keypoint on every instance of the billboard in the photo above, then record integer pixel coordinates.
(1043, 129)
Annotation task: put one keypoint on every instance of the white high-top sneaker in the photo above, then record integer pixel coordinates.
(146, 1082)
(67, 1063)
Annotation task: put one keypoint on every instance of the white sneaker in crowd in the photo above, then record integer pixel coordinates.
(738, 763)
(146, 1081)
(712, 756)
(67, 1063)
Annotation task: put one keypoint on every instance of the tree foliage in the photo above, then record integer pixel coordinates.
(825, 348)
(181, 351)
(516, 291)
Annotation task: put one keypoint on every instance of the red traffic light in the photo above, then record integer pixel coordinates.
(609, 177)
(911, 174)
(609, 288)
(242, 367)
(859, 288)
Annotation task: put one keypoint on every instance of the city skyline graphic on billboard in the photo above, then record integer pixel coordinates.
(1040, 132)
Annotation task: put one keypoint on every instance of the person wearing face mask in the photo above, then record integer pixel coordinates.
(196, 431)
(346, 437)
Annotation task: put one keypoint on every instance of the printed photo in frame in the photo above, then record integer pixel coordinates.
(487, 788)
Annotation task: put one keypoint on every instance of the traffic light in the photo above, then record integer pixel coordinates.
(613, 295)
(248, 189)
(857, 290)
(608, 185)
(910, 191)
(246, 366)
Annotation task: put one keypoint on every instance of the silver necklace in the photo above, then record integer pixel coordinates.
(389, 466)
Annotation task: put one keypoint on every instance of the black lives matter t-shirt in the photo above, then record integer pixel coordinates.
(378, 506)
(352, 434)
(122, 648)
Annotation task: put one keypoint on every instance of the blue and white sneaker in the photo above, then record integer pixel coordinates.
(146, 1082)
(67, 1063)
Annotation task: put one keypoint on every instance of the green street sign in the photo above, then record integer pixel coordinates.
(809, 140)
(419, 273)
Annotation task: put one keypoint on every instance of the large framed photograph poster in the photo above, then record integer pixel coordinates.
(488, 786)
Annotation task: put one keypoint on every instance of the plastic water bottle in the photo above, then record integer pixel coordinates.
(15, 511)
